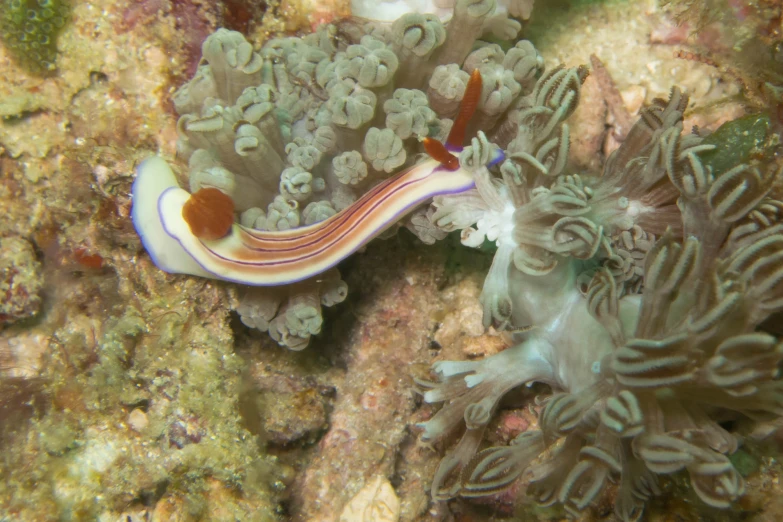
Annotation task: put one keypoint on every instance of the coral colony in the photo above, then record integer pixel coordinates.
(29, 29)
(635, 293)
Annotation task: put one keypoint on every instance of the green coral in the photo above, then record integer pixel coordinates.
(29, 31)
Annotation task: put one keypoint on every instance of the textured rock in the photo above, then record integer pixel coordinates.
(383, 340)
(375, 502)
(292, 416)
(21, 280)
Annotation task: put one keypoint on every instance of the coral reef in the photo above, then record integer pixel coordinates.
(29, 29)
(328, 118)
(376, 501)
(98, 423)
(22, 390)
(126, 427)
(639, 292)
(133, 394)
(614, 259)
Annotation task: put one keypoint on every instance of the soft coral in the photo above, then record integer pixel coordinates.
(633, 302)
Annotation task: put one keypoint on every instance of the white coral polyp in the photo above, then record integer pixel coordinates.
(491, 226)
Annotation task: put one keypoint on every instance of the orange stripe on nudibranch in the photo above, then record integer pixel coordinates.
(209, 213)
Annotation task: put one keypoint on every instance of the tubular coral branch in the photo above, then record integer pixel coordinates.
(464, 28)
(383, 149)
(234, 63)
(446, 88)
(407, 113)
(371, 64)
(349, 167)
(499, 90)
(415, 37)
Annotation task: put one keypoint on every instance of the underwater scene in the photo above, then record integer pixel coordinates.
(391, 260)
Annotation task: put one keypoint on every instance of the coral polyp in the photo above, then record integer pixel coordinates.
(29, 30)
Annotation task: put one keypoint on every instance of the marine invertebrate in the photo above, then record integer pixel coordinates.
(392, 10)
(29, 30)
(316, 141)
(637, 293)
(292, 254)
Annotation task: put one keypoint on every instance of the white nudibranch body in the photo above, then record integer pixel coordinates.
(271, 258)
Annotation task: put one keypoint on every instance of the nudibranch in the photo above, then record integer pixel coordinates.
(179, 229)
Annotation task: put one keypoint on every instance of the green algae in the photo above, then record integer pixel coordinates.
(738, 142)
(29, 30)
(745, 462)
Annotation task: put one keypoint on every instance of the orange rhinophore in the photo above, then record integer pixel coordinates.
(437, 151)
(466, 109)
(209, 213)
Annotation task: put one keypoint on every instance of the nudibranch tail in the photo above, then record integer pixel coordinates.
(467, 107)
(270, 258)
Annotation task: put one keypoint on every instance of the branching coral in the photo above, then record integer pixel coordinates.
(639, 292)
